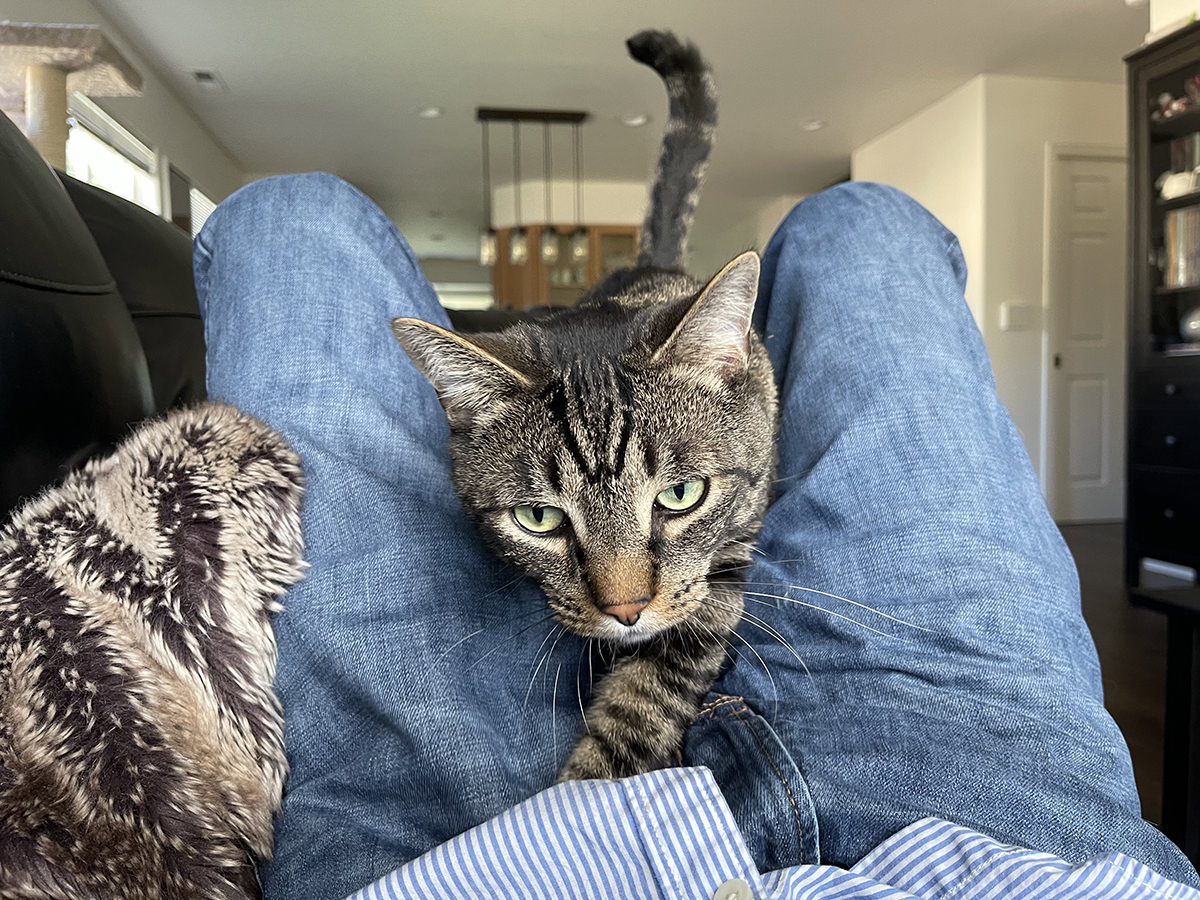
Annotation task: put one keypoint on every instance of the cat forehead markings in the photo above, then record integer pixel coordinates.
(591, 406)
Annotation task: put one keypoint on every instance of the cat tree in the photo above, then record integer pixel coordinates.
(41, 65)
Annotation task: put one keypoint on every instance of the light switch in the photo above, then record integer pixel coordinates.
(1016, 317)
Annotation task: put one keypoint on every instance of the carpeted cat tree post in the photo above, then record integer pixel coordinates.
(41, 65)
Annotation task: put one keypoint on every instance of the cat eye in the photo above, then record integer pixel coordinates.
(681, 497)
(539, 519)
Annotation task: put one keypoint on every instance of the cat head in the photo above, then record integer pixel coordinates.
(616, 451)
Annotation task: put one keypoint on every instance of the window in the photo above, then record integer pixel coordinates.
(201, 208)
(101, 152)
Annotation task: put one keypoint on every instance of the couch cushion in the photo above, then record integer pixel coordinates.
(43, 241)
(151, 260)
(72, 373)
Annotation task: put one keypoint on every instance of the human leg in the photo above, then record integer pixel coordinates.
(957, 677)
(403, 653)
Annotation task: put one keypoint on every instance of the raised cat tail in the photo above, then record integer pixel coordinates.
(687, 142)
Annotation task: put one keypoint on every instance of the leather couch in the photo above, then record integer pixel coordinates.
(99, 323)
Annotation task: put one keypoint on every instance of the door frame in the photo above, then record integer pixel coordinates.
(1051, 425)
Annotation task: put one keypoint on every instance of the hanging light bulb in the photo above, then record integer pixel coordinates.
(487, 247)
(579, 237)
(518, 239)
(549, 243)
(579, 245)
(549, 246)
(487, 237)
(518, 247)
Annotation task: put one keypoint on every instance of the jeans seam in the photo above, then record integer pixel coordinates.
(782, 780)
(710, 708)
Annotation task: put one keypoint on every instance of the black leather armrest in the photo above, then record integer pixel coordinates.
(151, 261)
(72, 373)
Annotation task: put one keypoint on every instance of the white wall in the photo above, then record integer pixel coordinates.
(937, 156)
(604, 202)
(717, 246)
(1023, 116)
(771, 216)
(976, 159)
(158, 118)
(1165, 13)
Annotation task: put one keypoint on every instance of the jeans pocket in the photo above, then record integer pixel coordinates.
(760, 781)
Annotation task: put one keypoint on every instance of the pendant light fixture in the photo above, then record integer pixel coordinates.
(549, 243)
(518, 238)
(487, 237)
(579, 237)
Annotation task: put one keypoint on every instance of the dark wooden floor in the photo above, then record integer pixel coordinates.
(1132, 644)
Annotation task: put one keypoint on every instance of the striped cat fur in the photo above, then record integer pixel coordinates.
(687, 143)
(141, 745)
(622, 452)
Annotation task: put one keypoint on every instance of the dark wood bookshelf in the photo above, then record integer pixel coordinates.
(1163, 459)
(1192, 199)
(1177, 125)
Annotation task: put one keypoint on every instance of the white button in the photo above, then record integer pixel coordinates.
(733, 889)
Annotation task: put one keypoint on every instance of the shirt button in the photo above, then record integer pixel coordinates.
(733, 889)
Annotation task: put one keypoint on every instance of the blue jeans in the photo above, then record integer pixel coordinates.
(945, 669)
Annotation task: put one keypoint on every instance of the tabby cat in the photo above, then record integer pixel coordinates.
(622, 452)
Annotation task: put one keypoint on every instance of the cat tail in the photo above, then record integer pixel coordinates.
(687, 142)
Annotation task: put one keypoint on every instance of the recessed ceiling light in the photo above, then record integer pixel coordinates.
(812, 125)
(430, 112)
(635, 120)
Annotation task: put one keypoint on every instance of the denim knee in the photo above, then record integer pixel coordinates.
(868, 227)
(308, 197)
(864, 205)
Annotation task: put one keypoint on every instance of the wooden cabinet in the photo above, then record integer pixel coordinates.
(562, 283)
(1164, 298)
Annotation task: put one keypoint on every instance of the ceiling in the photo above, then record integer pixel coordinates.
(314, 84)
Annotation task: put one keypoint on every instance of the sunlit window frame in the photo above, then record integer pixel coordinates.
(110, 146)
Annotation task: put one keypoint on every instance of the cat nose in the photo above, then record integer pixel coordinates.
(627, 613)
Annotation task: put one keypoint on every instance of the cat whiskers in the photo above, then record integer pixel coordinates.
(789, 477)
(764, 626)
(478, 631)
(542, 658)
(459, 643)
(751, 547)
(431, 671)
(507, 640)
(585, 648)
(705, 632)
(767, 670)
(754, 595)
(554, 707)
(808, 590)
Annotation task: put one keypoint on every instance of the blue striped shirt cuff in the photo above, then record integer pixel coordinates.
(669, 834)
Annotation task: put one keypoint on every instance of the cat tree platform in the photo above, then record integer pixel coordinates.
(40, 65)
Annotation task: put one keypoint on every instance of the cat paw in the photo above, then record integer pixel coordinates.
(590, 760)
(587, 761)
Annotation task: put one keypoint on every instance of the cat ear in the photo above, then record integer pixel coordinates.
(468, 379)
(714, 331)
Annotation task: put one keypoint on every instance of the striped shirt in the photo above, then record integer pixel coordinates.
(670, 834)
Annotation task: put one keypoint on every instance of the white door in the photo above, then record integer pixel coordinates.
(1086, 297)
